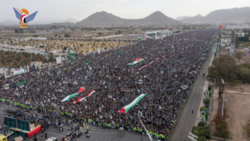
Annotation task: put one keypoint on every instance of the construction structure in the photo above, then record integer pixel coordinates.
(21, 127)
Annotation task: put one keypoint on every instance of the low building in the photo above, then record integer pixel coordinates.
(38, 38)
(225, 40)
(241, 34)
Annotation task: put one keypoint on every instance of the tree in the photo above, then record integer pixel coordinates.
(66, 35)
(244, 74)
(239, 55)
(51, 57)
(201, 131)
(225, 68)
(237, 42)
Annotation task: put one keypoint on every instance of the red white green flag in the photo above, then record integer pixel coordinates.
(93, 91)
(81, 89)
(138, 60)
(125, 109)
(82, 98)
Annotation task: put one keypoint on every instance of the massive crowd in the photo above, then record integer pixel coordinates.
(116, 84)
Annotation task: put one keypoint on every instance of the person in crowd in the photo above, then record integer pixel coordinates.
(172, 66)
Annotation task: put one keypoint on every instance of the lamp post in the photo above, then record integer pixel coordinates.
(213, 92)
(222, 81)
(139, 115)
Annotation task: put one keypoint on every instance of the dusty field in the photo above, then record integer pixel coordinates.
(238, 103)
(79, 46)
(243, 60)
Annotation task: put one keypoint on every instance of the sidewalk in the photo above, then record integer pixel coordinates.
(205, 87)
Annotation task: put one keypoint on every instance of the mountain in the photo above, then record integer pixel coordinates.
(195, 19)
(224, 15)
(182, 17)
(10, 22)
(106, 19)
(69, 20)
(63, 24)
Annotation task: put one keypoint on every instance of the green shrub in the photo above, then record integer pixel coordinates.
(201, 138)
(206, 101)
(202, 124)
(207, 106)
(206, 116)
(203, 109)
(201, 131)
(209, 88)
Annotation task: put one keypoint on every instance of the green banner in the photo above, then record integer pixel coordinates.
(21, 83)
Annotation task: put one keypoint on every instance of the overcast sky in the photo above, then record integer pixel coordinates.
(133, 9)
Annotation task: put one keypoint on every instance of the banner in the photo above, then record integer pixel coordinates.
(16, 72)
(58, 60)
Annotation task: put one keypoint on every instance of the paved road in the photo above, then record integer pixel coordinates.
(186, 118)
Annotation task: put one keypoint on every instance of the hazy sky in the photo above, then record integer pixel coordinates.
(80, 9)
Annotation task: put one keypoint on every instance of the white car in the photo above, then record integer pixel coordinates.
(52, 139)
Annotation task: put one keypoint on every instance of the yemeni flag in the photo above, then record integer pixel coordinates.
(138, 60)
(125, 109)
(67, 98)
(74, 102)
(93, 91)
(81, 89)
(158, 59)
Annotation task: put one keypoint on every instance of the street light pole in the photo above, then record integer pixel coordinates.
(213, 92)
(222, 81)
(139, 115)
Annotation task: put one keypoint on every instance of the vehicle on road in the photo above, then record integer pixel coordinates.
(52, 139)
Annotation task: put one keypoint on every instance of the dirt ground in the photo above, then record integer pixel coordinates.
(243, 60)
(237, 104)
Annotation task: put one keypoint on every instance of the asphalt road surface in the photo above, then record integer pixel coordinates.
(186, 119)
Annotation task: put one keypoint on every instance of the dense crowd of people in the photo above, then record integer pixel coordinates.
(166, 82)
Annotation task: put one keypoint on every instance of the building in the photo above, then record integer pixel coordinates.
(20, 30)
(38, 38)
(58, 30)
(241, 34)
(226, 40)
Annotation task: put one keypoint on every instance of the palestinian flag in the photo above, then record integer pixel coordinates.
(81, 89)
(67, 98)
(143, 67)
(93, 91)
(138, 60)
(125, 109)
